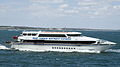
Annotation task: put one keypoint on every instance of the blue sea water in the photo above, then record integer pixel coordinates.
(110, 58)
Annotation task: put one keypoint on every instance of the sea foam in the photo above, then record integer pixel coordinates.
(113, 50)
(3, 47)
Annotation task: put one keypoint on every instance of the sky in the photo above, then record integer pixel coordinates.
(95, 14)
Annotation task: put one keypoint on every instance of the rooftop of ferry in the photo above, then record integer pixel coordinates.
(44, 32)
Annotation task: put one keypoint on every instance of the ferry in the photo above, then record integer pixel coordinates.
(60, 41)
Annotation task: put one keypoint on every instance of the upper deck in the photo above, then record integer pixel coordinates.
(44, 32)
(50, 34)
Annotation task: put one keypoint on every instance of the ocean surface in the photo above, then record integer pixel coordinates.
(109, 58)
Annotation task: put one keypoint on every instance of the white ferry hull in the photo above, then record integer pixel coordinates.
(59, 48)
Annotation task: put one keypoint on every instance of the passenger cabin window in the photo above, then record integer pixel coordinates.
(52, 35)
(34, 34)
(24, 34)
(29, 34)
(74, 35)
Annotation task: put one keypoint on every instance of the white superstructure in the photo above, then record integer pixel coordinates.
(60, 41)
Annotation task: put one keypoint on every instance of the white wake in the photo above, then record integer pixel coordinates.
(3, 47)
(113, 50)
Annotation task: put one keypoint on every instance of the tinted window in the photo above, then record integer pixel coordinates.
(29, 34)
(52, 35)
(24, 34)
(73, 34)
(34, 34)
